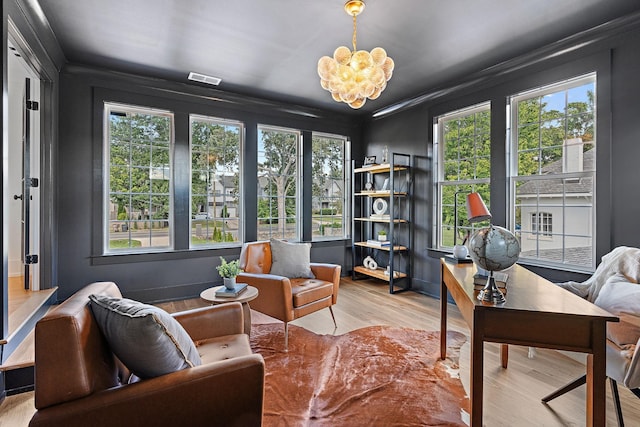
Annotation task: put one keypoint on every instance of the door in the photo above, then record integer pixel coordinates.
(29, 196)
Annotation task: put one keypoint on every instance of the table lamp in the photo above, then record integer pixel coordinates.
(476, 211)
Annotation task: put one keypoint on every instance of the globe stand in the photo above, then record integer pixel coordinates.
(490, 293)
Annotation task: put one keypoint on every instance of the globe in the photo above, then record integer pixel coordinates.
(494, 248)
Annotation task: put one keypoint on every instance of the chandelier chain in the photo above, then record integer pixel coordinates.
(354, 32)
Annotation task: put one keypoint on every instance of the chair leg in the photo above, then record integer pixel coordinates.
(616, 401)
(333, 317)
(574, 384)
(286, 336)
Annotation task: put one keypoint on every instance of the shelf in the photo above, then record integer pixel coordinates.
(382, 248)
(379, 273)
(385, 221)
(380, 193)
(380, 168)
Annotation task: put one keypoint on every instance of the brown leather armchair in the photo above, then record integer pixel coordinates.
(287, 298)
(79, 381)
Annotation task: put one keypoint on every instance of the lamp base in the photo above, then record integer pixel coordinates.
(453, 259)
(490, 293)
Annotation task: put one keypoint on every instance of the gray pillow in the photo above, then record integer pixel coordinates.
(291, 259)
(147, 339)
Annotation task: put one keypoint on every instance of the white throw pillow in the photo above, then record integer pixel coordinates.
(147, 339)
(619, 295)
(291, 259)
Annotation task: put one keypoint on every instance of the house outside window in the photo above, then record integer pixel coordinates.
(462, 165)
(278, 183)
(329, 181)
(216, 214)
(138, 186)
(552, 173)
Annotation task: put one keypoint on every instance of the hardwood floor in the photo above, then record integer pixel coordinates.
(511, 396)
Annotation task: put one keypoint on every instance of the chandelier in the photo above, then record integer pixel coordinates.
(354, 76)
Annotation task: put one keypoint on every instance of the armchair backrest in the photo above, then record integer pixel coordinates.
(255, 257)
(72, 358)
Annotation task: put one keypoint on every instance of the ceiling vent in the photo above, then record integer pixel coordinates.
(197, 77)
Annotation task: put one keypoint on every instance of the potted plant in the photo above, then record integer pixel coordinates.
(228, 271)
(382, 235)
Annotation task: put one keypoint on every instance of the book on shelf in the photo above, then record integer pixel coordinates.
(479, 280)
(383, 217)
(231, 293)
(378, 243)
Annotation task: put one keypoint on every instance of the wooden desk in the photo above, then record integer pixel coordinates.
(538, 314)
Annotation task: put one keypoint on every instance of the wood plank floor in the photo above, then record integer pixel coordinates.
(512, 396)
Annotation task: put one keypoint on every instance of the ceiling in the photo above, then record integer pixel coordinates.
(270, 48)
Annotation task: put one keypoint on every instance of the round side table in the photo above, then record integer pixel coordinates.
(250, 294)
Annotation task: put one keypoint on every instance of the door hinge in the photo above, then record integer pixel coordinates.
(31, 259)
(32, 105)
(33, 182)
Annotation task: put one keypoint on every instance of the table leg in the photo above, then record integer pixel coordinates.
(596, 377)
(477, 361)
(443, 316)
(246, 314)
(504, 355)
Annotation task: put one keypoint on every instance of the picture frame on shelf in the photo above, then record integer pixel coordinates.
(369, 160)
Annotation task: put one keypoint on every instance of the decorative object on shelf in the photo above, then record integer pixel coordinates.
(493, 249)
(354, 76)
(369, 160)
(370, 263)
(380, 206)
(479, 209)
(228, 271)
(368, 186)
(385, 185)
(385, 155)
(382, 235)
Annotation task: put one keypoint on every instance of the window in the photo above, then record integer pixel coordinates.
(541, 224)
(215, 181)
(278, 183)
(463, 147)
(138, 149)
(328, 179)
(553, 173)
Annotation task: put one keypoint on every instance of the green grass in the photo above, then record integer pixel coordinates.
(124, 243)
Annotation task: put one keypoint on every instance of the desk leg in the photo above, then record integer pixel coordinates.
(443, 316)
(246, 314)
(477, 361)
(504, 355)
(596, 377)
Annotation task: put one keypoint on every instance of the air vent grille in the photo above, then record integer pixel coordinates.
(202, 78)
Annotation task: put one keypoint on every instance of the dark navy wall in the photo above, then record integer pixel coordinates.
(613, 55)
(170, 275)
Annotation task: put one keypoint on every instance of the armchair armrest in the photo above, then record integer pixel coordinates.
(330, 273)
(228, 392)
(214, 321)
(274, 294)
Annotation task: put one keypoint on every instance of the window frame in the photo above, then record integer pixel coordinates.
(108, 107)
(440, 183)
(298, 183)
(513, 177)
(346, 181)
(240, 205)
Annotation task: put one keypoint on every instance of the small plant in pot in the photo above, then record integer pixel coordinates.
(228, 271)
(382, 235)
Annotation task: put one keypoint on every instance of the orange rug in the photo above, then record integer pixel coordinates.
(374, 376)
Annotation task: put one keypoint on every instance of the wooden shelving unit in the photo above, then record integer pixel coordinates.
(394, 259)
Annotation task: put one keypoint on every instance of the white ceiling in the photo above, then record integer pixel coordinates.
(270, 48)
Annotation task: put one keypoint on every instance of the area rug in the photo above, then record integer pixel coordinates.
(374, 376)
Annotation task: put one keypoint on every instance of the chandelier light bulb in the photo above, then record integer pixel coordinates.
(353, 76)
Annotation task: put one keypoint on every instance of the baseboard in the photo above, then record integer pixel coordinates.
(170, 293)
(19, 380)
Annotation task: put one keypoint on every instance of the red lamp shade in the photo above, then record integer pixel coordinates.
(476, 209)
